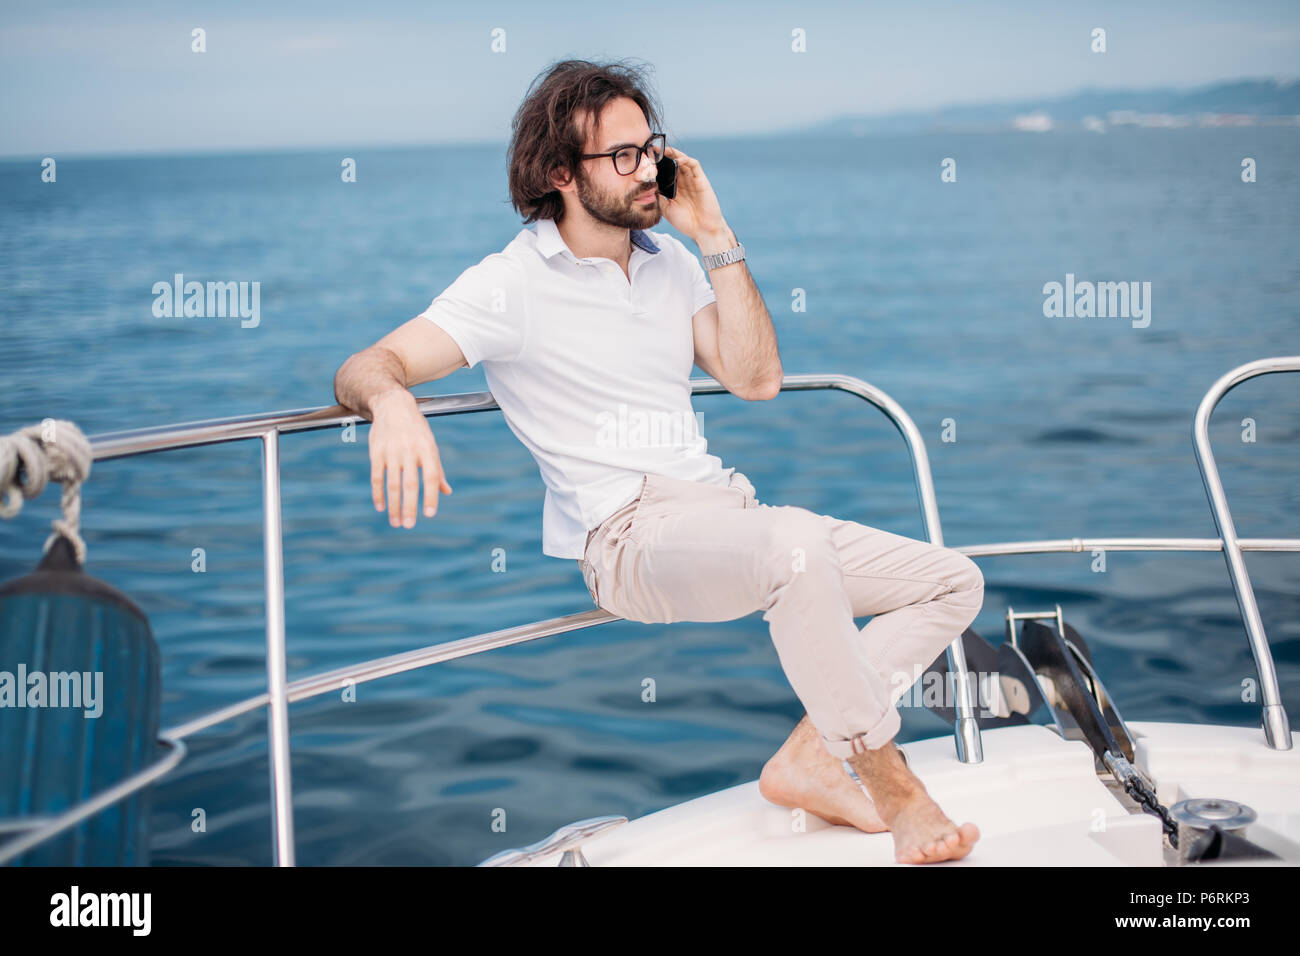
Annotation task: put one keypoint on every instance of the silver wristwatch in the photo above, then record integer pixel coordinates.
(718, 260)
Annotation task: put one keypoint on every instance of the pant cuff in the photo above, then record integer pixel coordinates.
(875, 738)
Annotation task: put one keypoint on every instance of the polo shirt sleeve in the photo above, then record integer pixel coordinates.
(701, 291)
(484, 310)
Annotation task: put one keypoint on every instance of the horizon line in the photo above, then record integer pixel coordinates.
(805, 129)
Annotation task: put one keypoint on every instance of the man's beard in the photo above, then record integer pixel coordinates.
(620, 209)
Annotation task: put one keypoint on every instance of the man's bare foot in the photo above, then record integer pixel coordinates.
(922, 832)
(804, 774)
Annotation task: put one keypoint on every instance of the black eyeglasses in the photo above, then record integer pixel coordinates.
(628, 158)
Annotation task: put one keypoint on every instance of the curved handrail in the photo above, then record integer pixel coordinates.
(215, 431)
(105, 798)
(1277, 729)
(269, 427)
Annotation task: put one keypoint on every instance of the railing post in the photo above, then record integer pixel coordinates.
(1277, 729)
(966, 729)
(277, 712)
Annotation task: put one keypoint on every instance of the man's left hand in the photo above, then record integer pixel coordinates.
(695, 212)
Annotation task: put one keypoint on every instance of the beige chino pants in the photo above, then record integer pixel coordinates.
(689, 551)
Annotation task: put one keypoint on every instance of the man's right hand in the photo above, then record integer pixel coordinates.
(401, 444)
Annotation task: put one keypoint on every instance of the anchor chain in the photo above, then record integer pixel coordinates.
(1141, 793)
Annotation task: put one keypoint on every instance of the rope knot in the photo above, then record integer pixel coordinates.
(32, 457)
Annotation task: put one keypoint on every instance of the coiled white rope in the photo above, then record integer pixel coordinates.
(54, 450)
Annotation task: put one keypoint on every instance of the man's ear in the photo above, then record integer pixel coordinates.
(560, 177)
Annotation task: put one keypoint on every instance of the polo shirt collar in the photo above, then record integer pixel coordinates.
(550, 242)
(643, 240)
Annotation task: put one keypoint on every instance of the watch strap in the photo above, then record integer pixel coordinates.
(720, 259)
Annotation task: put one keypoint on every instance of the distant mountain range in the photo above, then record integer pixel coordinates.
(1234, 103)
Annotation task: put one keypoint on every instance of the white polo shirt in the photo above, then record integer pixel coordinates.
(591, 370)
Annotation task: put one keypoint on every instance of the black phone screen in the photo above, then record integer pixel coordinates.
(667, 179)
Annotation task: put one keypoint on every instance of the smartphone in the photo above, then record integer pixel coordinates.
(668, 177)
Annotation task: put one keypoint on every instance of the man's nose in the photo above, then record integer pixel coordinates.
(654, 167)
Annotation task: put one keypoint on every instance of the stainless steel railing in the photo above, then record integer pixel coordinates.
(269, 428)
(46, 828)
(280, 691)
(1277, 729)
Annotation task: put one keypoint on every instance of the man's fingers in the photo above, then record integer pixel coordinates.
(395, 478)
(433, 480)
(682, 158)
(377, 482)
(394, 485)
(410, 491)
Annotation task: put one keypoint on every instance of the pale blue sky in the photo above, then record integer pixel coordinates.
(97, 77)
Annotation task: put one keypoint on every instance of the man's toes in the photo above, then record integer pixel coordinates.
(910, 855)
(966, 834)
(941, 847)
(937, 850)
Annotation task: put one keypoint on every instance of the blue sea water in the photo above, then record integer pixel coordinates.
(932, 291)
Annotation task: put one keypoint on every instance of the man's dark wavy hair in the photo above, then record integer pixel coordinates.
(546, 133)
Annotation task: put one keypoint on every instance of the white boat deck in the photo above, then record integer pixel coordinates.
(1036, 798)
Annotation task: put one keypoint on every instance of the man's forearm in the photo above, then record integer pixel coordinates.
(746, 339)
(366, 377)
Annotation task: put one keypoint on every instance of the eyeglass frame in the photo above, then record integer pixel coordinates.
(640, 152)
